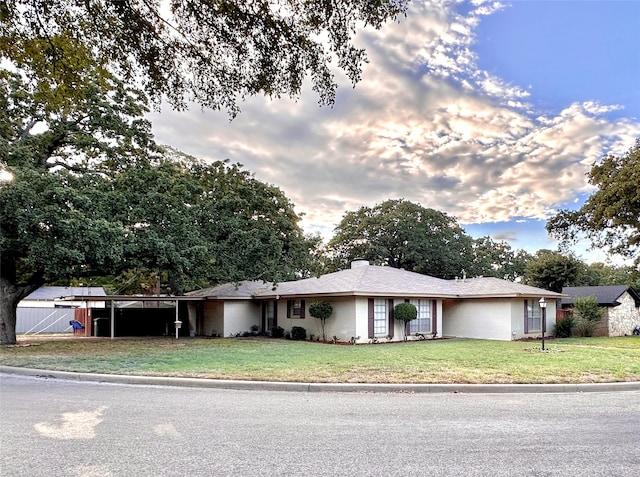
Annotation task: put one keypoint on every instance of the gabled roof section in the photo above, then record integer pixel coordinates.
(54, 292)
(496, 287)
(366, 280)
(606, 295)
(238, 291)
(370, 280)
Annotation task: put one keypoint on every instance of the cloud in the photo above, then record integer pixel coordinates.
(426, 124)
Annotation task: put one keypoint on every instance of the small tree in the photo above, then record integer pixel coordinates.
(589, 314)
(405, 312)
(321, 310)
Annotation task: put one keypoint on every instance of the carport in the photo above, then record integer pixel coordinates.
(149, 303)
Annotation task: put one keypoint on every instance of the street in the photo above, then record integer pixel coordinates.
(51, 427)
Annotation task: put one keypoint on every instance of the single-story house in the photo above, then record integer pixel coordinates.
(46, 310)
(621, 304)
(363, 300)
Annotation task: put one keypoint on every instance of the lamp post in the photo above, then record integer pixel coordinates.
(543, 308)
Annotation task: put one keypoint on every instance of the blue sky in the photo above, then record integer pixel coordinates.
(566, 50)
(489, 111)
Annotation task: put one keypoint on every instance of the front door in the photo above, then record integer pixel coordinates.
(269, 321)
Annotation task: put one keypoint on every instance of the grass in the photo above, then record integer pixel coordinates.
(574, 360)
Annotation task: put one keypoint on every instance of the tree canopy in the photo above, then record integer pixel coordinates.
(406, 235)
(610, 217)
(92, 194)
(213, 52)
(402, 234)
(552, 270)
(603, 274)
(493, 258)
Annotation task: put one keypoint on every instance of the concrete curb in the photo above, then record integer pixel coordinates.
(322, 387)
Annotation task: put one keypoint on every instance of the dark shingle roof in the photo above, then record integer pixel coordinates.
(370, 280)
(606, 295)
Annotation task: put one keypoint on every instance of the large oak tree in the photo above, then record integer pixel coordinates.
(406, 235)
(91, 194)
(610, 217)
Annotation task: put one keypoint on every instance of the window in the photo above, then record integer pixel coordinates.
(422, 323)
(532, 316)
(295, 309)
(380, 316)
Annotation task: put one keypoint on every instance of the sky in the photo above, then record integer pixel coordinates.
(489, 111)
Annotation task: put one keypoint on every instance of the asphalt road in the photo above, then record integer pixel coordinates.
(51, 427)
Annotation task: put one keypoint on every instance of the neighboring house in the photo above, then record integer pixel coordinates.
(46, 310)
(363, 299)
(621, 304)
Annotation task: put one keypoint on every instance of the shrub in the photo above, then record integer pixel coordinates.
(405, 312)
(277, 332)
(298, 333)
(588, 308)
(585, 328)
(565, 327)
(589, 314)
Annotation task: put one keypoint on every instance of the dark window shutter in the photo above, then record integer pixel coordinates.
(371, 325)
(407, 325)
(301, 308)
(526, 317)
(391, 317)
(434, 316)
(289, 306)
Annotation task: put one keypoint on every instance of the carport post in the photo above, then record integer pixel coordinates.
(178, 323)
(113, 319)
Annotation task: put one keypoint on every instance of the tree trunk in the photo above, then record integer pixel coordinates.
(10, 295)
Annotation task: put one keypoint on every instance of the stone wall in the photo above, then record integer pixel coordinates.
(624, 317)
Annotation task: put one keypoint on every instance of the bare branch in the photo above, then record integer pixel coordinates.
(27, 130)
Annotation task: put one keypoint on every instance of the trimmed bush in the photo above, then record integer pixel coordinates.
(405, 312)
(277, 332)
(298, 333)
(321, 310)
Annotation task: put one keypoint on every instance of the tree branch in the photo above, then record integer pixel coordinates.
(26, 130)
(69, 167)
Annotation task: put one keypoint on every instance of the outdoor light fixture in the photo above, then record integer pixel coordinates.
(543, 307)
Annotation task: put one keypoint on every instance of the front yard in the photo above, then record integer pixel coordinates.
(574, 360)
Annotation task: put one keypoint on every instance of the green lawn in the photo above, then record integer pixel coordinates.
(576, 360)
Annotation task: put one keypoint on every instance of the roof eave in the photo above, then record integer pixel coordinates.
(511, 295)
(133, 298)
